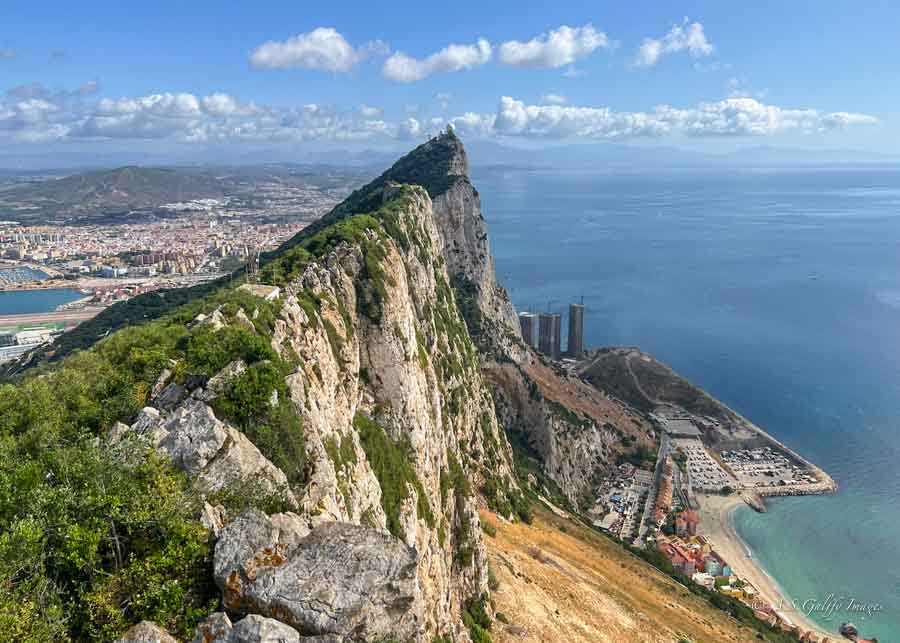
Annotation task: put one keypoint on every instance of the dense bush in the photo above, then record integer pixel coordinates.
(90, 545)
(93, 540)
(207, 352)
(477, 620)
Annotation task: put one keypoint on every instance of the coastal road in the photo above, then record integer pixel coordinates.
(57, 317)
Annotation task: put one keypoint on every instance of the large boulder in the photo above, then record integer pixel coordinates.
(217, 454)
(339, 581)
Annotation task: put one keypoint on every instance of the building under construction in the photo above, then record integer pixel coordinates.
(549, 334)
(528, 324)
(576, 331)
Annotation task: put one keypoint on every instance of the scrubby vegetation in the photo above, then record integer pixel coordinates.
(477, 619)
(258, 403)
(95, 539)
(390, 462)
(641, 456)
(90, 544)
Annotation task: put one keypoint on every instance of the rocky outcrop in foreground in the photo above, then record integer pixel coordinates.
(338, 579)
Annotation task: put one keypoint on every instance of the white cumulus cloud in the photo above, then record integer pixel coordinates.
(557, 48)
(682, 37)
(404, 69)
(727, 117)
(410, 128)
(167, 104)
(33, 114)
(323, 48)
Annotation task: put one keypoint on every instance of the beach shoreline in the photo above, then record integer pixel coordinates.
(717, 526)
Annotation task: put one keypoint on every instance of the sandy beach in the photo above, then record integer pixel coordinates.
(716, 524)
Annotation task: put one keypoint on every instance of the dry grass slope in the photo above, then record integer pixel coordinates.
(560, 581)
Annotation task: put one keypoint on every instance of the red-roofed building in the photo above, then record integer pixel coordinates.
(680, 558)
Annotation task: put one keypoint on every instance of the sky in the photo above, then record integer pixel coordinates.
(229, 81)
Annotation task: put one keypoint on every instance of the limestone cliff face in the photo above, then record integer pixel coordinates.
(467, 249)
(414, 372)
(572, 449)
(400, 435)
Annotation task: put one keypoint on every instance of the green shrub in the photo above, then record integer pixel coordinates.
(207, 352)
(276, 430)
(477, 619)
(390, 462)
(90, 545)
(493, 582)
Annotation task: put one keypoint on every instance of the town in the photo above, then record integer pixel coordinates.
(176, 245)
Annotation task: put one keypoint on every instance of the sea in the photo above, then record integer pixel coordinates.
(20, 302)
(776, 290)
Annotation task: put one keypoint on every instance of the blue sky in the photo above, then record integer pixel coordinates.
(187, 78)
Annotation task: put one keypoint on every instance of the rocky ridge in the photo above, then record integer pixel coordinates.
(384, 377)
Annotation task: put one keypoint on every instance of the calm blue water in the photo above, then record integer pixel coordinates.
(777, 291)
(17, 302)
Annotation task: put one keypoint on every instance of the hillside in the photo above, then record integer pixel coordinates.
(557, 580)
(306, 455)
(97, 194)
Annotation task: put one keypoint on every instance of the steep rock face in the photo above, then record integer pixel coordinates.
(572, 449)
(406, 373)
(215, 454)
(400, 430)
(399, 433)
(574, 430)
(464, 231)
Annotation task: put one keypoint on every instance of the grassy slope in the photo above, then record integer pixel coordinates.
(561, 581)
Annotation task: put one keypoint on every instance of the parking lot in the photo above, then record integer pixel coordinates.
(705, 472)
(765, 467)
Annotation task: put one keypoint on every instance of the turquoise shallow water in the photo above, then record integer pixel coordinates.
(777, 291)
(16, 302)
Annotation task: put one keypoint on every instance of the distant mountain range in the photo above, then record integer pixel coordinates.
(103, 192)
(53, 196)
